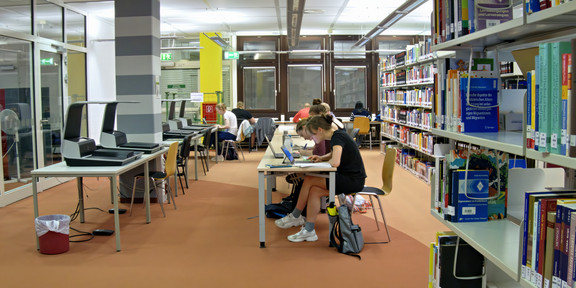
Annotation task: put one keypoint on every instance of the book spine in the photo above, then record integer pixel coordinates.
(529, 109)
(557, 49)
(566, 59)
(572, 106)
(544, 98)
(556, 281)
(549, 256)
(571, 272)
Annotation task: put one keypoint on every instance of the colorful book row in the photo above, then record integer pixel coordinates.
(550, 119)
(414, 75)
(417, 118)
(548, 240)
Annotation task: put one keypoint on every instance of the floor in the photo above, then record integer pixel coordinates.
(211, 239)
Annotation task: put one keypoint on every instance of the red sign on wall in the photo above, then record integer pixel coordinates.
(209, 112)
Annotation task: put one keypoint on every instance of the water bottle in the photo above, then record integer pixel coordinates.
(287, 141)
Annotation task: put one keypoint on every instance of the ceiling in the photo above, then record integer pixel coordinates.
(268, 17)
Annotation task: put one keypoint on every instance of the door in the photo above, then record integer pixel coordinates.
(32, 126)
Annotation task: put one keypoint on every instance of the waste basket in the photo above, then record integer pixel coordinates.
(53, 233)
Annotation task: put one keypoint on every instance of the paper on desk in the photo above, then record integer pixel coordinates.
(316, 164)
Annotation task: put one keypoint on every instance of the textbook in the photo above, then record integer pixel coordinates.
(469, 195)
(557, 103)
(494, 161)
(479, 109)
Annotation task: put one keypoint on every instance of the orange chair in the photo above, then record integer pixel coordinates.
(363, 123)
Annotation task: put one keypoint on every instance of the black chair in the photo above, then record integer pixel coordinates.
(182, 161)
(203, 150)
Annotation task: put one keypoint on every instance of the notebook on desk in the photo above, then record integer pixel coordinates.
(293, 161)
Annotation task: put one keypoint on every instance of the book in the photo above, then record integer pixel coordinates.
(470, 195)
(571, 109)
(489, 13)
(528, 116)
(544, 97)
(528, 243)
(566, 90)
(494, 161)
(549, 253)
(535, 105)
(479, 107)
(557, 49)
(559, 268)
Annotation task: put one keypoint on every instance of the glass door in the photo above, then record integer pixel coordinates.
(50, 105)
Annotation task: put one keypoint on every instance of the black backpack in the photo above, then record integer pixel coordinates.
(280, 210)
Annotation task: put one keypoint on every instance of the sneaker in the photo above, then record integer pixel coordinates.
(253, 149)
(303, 235)
(289, 221)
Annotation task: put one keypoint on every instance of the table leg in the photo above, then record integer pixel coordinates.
(195, 160)
(35, 200)
(116, 215)
(80, 184)
(147, 191)
(261, 215)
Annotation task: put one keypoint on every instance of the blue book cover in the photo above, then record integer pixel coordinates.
(470, 193)
(483, 93)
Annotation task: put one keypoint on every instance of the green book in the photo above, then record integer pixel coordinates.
(544, 98)
(557, 49)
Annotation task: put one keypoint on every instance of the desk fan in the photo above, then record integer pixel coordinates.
(10, 124)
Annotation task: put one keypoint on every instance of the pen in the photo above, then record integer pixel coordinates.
(305, 146)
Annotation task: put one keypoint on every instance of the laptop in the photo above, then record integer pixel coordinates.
(276, 154)
(291, 158)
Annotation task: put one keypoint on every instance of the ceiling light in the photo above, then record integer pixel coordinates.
(295, 12)
(396, 15)
(218, 40)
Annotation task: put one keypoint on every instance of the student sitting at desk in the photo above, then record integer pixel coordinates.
(350, 177)
(230, 125)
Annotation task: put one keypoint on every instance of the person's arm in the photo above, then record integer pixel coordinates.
(252, 120)
(336, 155)
(296, 117)
(226, 123)
(325, 157)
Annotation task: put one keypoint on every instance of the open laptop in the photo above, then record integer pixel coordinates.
(276, 154)
(291, 158)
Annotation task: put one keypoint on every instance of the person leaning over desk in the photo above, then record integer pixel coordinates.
(350, 177)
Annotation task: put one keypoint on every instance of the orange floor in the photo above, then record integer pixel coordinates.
(211, 240)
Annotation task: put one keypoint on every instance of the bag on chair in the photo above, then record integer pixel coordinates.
(345, 235)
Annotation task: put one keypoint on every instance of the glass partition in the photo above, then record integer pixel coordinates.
(49, 20)
(75, 28)
(16, 15)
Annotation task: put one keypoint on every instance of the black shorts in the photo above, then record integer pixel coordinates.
(346, 184)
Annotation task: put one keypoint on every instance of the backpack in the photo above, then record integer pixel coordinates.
(231, 153)
(345, 235)
(280, 210)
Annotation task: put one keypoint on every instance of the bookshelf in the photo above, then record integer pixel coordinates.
(405, 97)
(500, 241)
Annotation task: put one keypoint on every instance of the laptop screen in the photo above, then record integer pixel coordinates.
(288, 154)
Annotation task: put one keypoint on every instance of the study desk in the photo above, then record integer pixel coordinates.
(270, 174)
(62, 170)
(195, 138)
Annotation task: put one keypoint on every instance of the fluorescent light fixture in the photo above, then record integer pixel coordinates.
(182, 48)
(218, 40)
(396, 15)
(295, 12)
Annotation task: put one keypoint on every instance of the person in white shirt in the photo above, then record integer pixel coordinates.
(230, 127)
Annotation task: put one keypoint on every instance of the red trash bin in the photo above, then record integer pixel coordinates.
(53, 233)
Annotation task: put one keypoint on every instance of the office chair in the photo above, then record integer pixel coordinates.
(363, 123)
(160, 176)
(387, 175)
(182, 161)
(236, 143)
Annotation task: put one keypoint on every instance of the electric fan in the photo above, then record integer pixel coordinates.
(10, 124)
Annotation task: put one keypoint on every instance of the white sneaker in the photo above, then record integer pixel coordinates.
(303, 235)
(289, 221)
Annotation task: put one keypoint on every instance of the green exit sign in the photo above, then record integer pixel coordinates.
(174, 86)
(47, 61)
(231, 55)
(166, 56)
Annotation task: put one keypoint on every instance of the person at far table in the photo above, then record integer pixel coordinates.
(359, 111)
(230, 127)
(303, 113)
(241, 115)
(350, 177)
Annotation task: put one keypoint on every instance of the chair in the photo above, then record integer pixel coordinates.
(236, 143)
(387, 175)
(182, 161)
(354, 132)
(160, 176)
(363, 123)
(203, 150)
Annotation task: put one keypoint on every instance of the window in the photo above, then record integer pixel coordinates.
(49, 20)
(259, 87)
(304, 84)
(75, 28)
(16, 15)
(259, 50)
(343, 50)
(350, 86)
(299, 52)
